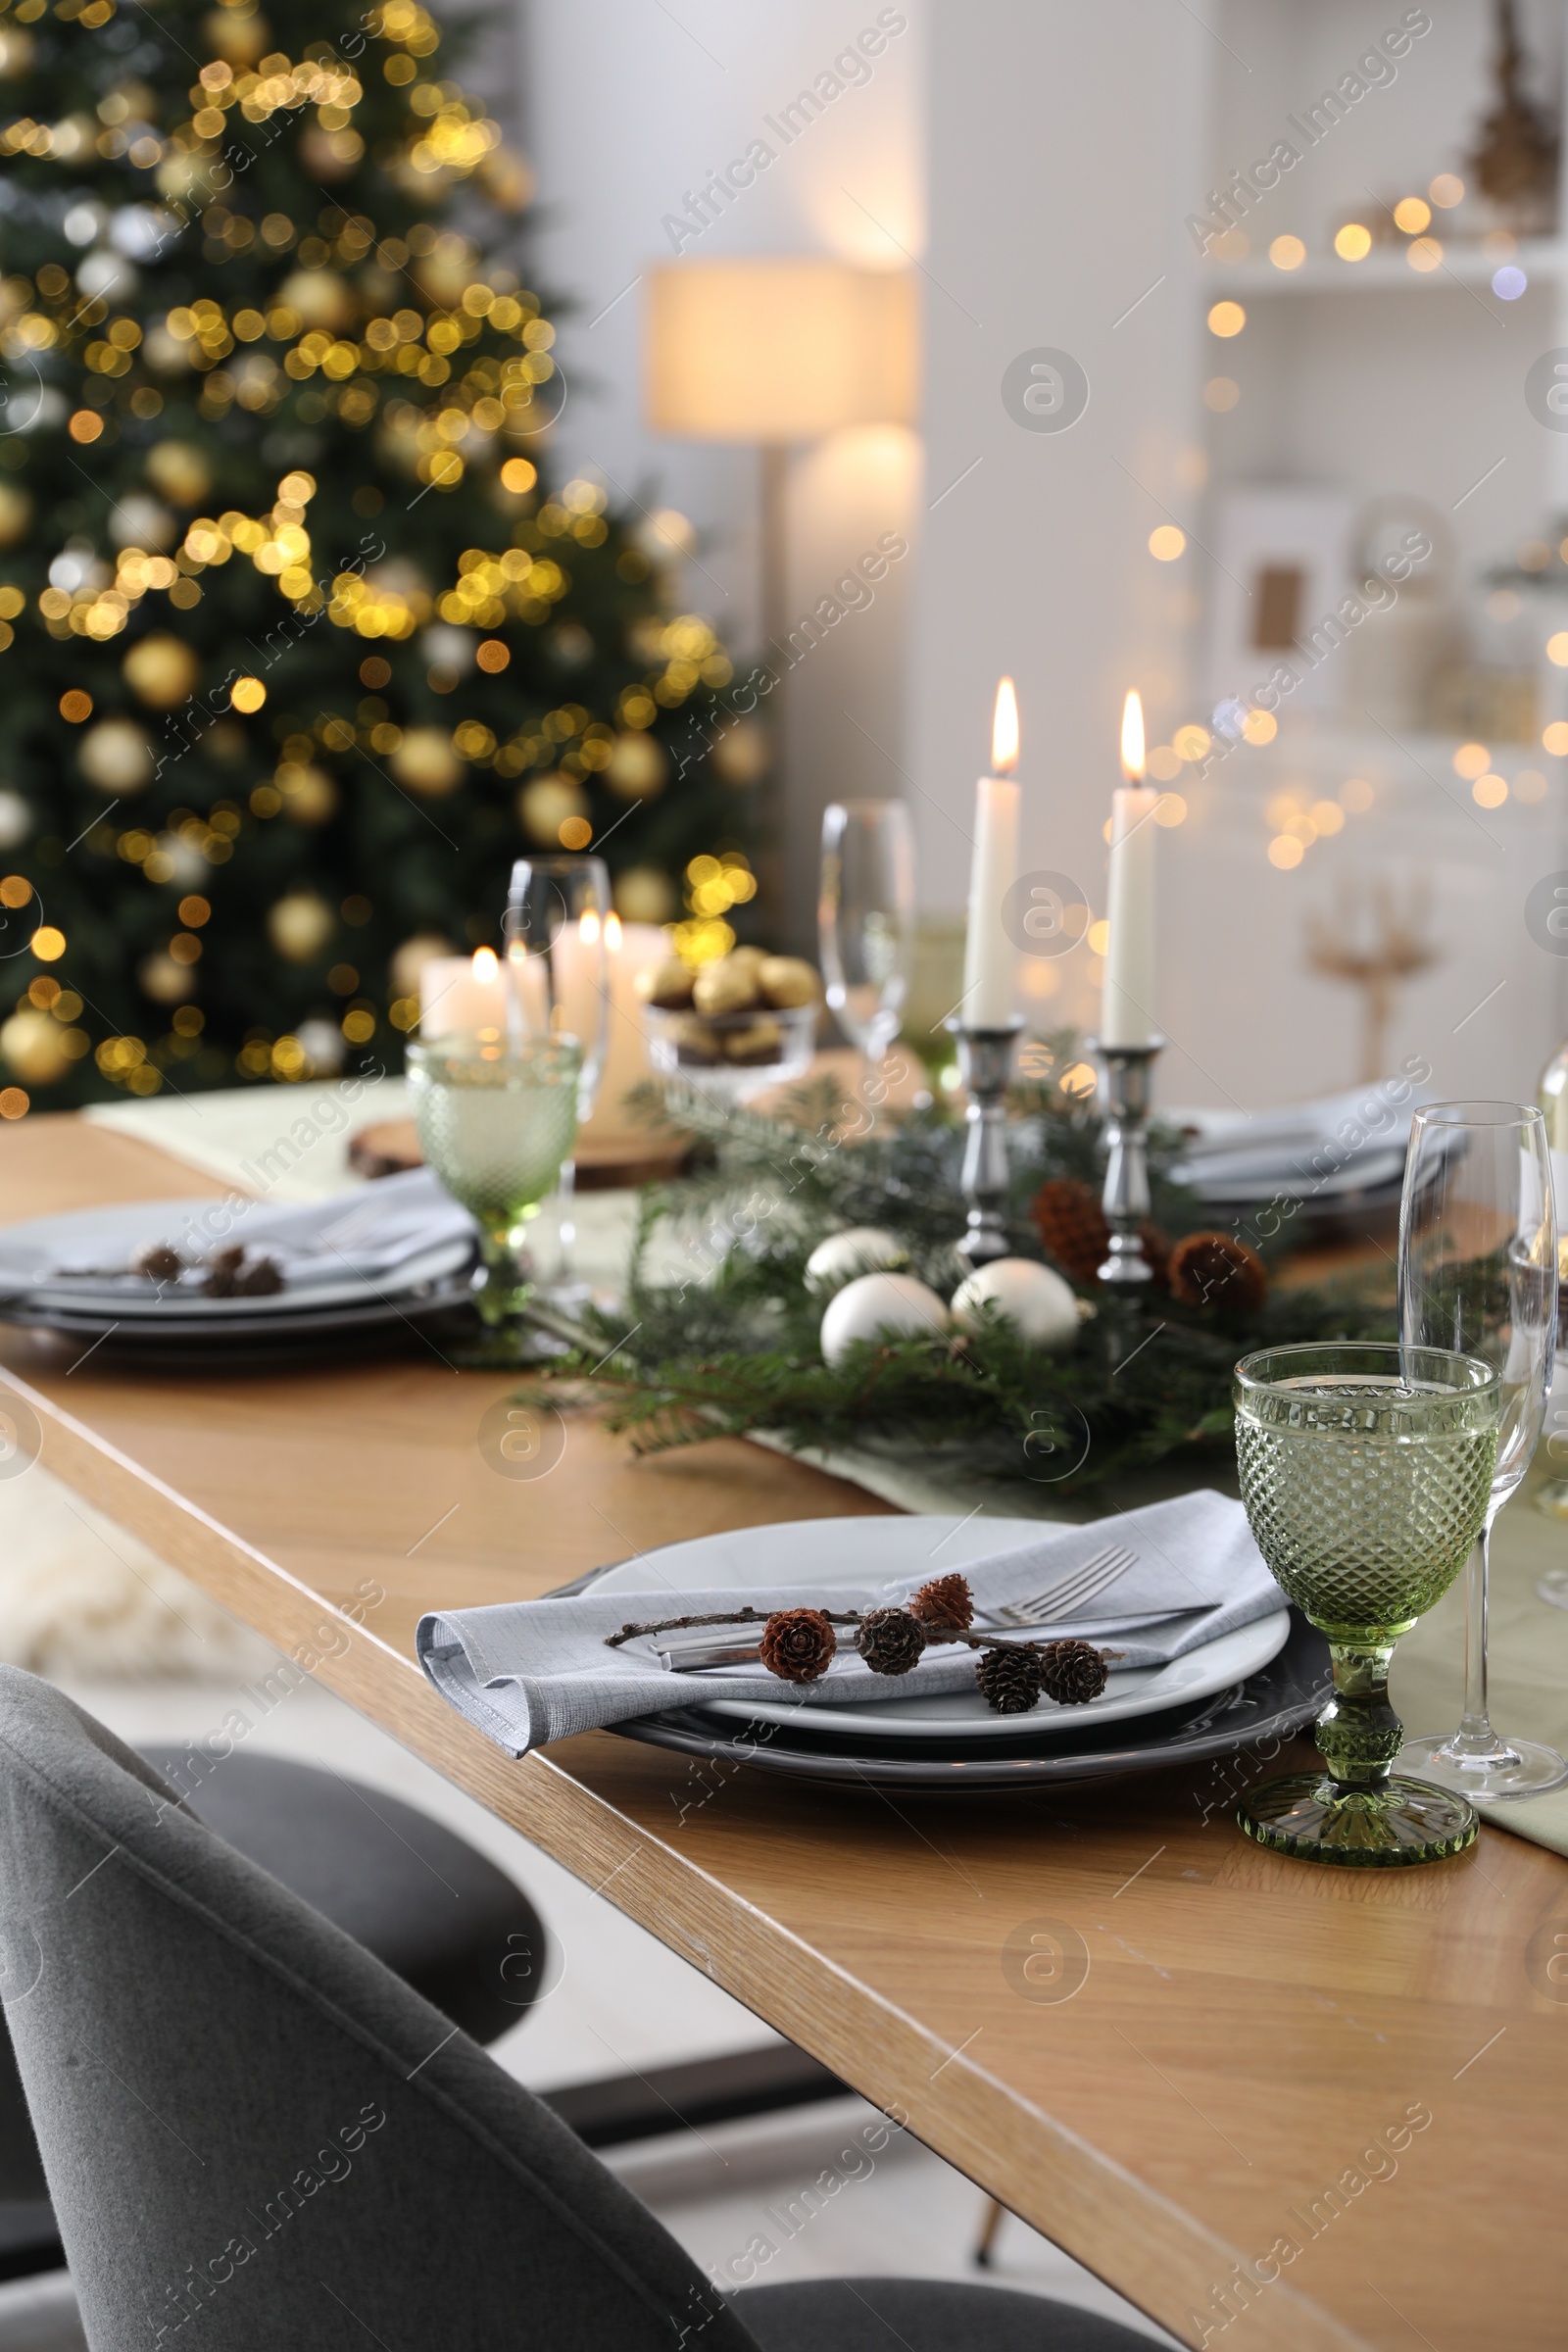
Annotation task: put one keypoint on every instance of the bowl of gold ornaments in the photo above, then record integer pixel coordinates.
(735, 1026)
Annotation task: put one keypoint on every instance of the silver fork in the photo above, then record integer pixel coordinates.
(1071, 1594)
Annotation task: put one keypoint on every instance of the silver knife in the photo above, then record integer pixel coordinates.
(697, 1653)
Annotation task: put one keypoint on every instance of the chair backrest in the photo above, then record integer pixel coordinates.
(244, 2116)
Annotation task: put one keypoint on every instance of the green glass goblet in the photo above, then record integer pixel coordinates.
(1366, 1471)
(496, 1122)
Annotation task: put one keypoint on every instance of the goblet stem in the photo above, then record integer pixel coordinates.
(508, 1283)
(1359, 1735)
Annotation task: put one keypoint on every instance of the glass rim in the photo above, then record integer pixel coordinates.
(1478, 1115)
(1484, 1375)
(463, 1049)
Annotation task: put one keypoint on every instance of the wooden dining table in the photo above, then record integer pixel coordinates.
(1271, 2104)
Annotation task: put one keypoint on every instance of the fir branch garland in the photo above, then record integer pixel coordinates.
(733, 1349)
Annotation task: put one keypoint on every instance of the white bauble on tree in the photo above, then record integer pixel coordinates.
(860, 1249)
(875, 1304)
(1030, 1297)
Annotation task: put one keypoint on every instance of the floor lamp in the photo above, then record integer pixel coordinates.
(776, 352)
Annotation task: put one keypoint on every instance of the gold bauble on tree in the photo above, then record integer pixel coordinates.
(163, 979)
(426, 762)
(243, 40)
(638, 766)
(300, 925)
(162, 670)
(320, 297)
(115, 756)
(548, 804)
(740, 755)
(181, 470)
(310, 796)
(16, 513)
(643, 895)
(32, 1042)
(410, 960)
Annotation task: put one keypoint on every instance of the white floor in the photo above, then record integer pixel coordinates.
(620, 2000)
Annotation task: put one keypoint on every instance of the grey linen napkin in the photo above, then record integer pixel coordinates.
(529, 1671)
(363, 1235)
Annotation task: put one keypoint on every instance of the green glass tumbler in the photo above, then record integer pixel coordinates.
(496, 1122)
(1366, 1470)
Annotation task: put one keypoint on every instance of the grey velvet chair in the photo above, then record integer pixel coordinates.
(251, 2128)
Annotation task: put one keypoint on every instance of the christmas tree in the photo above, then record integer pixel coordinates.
(300, 646)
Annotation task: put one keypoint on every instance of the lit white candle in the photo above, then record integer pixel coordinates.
(990, 960)
(632, 948)
(1126, 1015)
(463, 997)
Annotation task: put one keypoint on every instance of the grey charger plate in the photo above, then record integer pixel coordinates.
(1270, 1705)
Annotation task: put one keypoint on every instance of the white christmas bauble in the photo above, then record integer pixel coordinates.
(323, 1043)
(105, 276)
(1030, 1295)
(861, 1249)
(16, 819)
(876, 1304)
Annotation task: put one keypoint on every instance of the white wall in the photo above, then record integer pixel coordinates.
(630, 108)
(1060, 135)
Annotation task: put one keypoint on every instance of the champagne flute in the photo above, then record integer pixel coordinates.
(866, 918)
(1366, 1471)
(558, 909)
(1478, 1273)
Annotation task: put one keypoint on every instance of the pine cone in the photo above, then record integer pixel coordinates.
(945, 1600)
(1072, 1672)
(159, 1261)
(1214, 1269)
(890, 1641)
(1010, 1679)
(1073, 1225)
(798, 1645)
(259, 1279)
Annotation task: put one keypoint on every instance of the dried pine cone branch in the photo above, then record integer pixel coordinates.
(798, 1645)
(1214, 1269)
(890, 1641)
(1008, 1679)
(1073, 1225)
(1072, 1672)
(943, 1600)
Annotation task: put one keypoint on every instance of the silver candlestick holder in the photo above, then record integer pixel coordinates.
(1125, 1198)
(985, 1065)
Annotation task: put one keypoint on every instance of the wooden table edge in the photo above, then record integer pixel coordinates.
(1081, 2199)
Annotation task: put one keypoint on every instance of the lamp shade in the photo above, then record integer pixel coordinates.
(777, 350)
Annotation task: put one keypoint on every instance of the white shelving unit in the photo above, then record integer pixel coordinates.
(1372, 377)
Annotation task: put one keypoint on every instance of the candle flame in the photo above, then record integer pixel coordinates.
(1005, 731)
(612, 933)
(1132, 739)
(485, 966)
(588, 928)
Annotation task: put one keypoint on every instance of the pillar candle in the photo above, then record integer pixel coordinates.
(632, 948)
(1126, 1015)
(463, 997)
(989, 956)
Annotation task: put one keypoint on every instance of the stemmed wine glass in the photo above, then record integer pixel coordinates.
(1366, 1470)
(866, 918)
(1477, 1274)
(559, 986)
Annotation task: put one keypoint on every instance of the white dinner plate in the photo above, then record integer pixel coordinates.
(876, 1551)
(31, 1289)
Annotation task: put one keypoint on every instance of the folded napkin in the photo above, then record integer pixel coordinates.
(529, 1671)
(1338, 1142)
(367, 1235)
